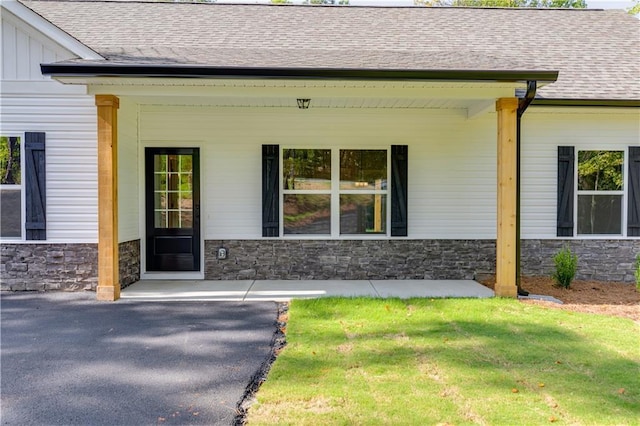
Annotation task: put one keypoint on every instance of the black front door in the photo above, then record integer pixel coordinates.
(172, 209)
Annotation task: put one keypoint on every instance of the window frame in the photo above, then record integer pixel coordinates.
(21, 187)
(335, 193)
(623, 205)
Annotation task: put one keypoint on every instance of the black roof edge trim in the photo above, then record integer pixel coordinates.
(167, 71)
(618, 103)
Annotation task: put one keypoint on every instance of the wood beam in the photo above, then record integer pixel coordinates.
(507, 198)
(108, 257)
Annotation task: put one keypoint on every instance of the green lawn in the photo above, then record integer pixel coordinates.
(451, 362)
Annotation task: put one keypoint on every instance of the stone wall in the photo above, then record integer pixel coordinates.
(605, 260)
(49, 267)
(349, 259)
(75, 266)
(129, 268)
(61, 266)
(600, 260)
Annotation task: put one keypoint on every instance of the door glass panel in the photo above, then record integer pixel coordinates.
(173, 191)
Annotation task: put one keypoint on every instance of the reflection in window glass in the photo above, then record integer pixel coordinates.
(363, 214)
(10, 188)
(363, 169)
(10, 161)
(173, 191)
(600, 192)
(599, 214)
(600, 170)
(306, 169)
(307, 214)
(11, 217)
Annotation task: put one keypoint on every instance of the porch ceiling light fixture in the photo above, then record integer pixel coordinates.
(304, 103)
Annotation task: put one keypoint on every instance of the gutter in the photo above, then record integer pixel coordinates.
(188, 71)
(523, 104)
(615, 103)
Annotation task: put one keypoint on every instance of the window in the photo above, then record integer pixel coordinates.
(363, 191)
(331, 192)
(600, 192)
(10, 187)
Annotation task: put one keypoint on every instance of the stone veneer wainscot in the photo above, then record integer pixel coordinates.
(605, 260)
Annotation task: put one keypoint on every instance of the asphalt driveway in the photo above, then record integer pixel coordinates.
(70, 360)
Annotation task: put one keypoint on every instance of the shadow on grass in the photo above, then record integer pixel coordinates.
(500, 344)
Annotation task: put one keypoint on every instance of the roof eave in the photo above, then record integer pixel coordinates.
(185, 71)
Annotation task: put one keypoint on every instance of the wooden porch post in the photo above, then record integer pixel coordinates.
(108, 260)
(506, 231)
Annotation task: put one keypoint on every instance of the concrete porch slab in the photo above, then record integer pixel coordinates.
(284, 290)
(405, 289)
(168, 290)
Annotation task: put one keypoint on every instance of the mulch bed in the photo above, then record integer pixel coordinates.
(596, 297)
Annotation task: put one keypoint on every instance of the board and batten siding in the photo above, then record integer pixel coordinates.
(543, 130)
(452, 160)
(24, 49)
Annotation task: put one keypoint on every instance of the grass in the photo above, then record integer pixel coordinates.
(446, 361)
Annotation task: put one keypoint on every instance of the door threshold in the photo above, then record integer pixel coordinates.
(172, 275)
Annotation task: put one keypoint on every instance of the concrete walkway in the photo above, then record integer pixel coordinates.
(284, 290)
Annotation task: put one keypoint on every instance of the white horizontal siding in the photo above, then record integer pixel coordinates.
(24, 49)
(128, 168)
(452, 163)
(542, 132)
(69, 122)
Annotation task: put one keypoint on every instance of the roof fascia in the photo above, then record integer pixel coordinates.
(610, 103)
(48, 29)
(168, 71)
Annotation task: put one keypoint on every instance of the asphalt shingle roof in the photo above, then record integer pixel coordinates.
(595, 51)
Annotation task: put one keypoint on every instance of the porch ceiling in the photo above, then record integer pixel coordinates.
(323, 94)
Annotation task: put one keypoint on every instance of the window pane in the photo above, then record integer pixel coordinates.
(306, 169)
(307, 214)
(186, 219)
(363, 169)
(11, 217)
(10, 161)
(600, 214)
(363, 214)
(600, 170)
(160, 163)
(160, 219)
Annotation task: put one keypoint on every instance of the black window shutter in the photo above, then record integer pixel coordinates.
(633, 218)
(399, 172)
(35, 186)
(566, 158)
(270, 191)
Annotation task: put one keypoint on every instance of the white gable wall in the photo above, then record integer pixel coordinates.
(30, 102)
(24, 49)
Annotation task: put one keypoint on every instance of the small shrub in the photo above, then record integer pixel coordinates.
(638, 272)
(566, 266)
